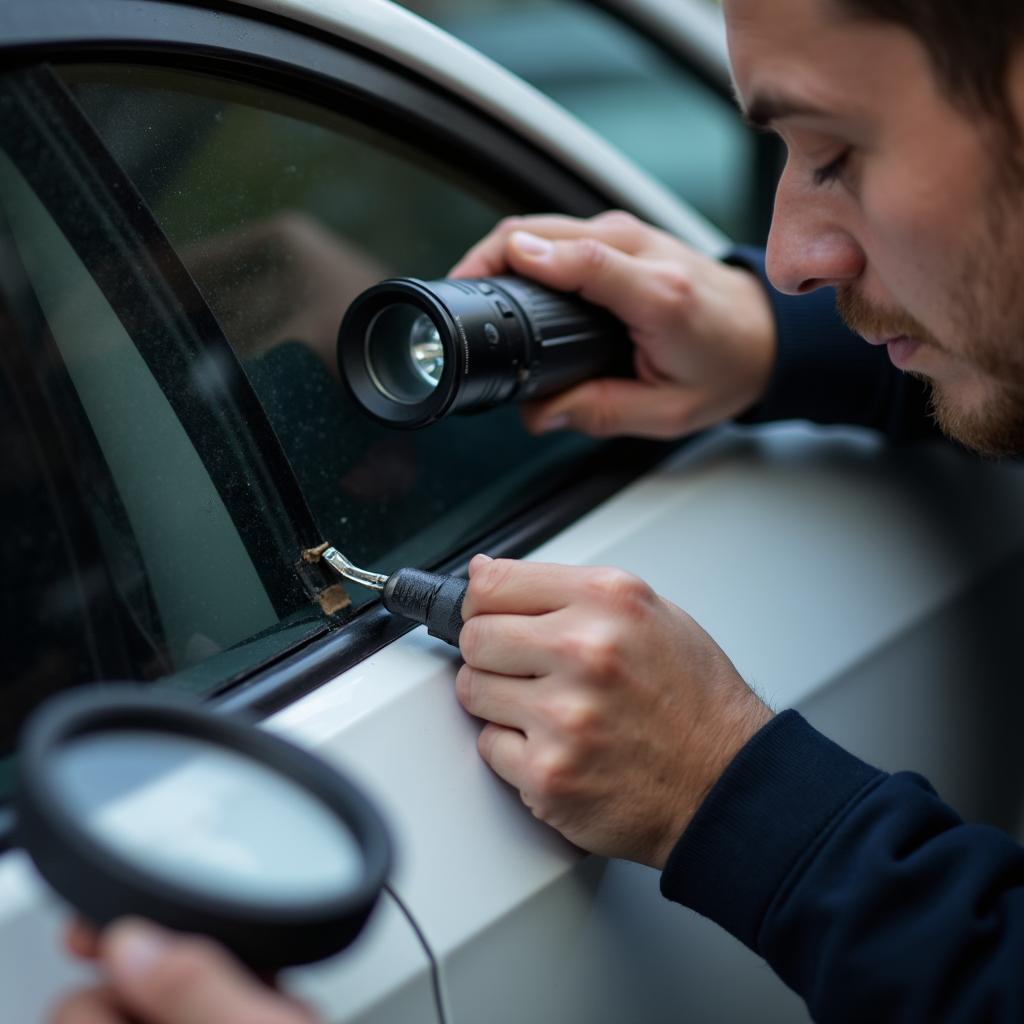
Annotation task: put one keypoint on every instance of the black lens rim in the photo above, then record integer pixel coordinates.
(103, 885)
(353, 361)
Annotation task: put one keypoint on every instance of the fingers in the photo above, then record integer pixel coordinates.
(509, 645)
(504, 585)
(503, 700)
(93, 1006)
(81, 940)
(168, 979)
(591, 268)
(615, 408)
(505, 751)
(488, 257)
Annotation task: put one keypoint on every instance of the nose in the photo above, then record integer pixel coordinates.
(808, 246)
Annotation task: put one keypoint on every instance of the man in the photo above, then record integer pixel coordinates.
(621, 723)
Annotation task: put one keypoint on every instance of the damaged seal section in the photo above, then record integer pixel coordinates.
(333, 599)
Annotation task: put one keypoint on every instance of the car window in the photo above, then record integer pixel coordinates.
(127, 551)
(669, 121)
(283, 212)
(148, 535)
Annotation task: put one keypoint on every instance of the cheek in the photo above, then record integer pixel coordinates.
(913, 235)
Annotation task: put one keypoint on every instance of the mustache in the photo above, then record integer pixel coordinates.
(864, 318)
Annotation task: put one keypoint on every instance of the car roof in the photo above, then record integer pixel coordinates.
(396, 33)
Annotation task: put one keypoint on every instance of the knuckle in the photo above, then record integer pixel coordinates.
(674, 290)
(620, 219)
(600, 656)
(575, 720)
(591, 255)
(595, 654)
(489, 580)
(553, 779)
(508, 224)
(617, 588)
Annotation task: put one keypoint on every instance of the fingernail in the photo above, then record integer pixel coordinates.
(480, 559)
(554, 423)
(134, 947)
(530, 245)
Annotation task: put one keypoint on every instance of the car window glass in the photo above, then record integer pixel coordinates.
(121, 556)
(283, 212)
(621, 84)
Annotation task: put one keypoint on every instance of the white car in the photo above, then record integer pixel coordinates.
(189, 198)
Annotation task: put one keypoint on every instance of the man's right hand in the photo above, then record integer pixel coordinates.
(704, 332)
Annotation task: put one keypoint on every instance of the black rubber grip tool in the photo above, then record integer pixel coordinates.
(429, 598)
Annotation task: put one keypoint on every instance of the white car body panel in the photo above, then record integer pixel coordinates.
(749, 532)
(822, 561)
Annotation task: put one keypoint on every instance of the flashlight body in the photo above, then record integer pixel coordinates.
(503, 339)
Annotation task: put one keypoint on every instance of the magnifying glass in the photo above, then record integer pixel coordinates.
(135, 802)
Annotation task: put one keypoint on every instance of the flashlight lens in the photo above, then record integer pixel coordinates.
(404, 353)
(427, 350)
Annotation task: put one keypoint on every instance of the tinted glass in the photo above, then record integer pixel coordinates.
(672, 124)
(144, 534)
(283, 212)
(124, 554)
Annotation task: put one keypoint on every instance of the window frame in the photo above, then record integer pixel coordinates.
(249, 45)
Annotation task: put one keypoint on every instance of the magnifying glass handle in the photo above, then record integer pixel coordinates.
(428, 598)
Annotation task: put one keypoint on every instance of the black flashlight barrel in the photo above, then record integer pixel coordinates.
(501, 338)
(568, 340)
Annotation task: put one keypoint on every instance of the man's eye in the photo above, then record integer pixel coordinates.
(831, 172)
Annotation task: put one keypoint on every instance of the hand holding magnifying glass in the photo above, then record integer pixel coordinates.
(152, 976)
(139, 803)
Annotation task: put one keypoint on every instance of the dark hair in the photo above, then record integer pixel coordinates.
(971, 44)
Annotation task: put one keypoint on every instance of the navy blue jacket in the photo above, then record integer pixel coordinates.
(866, 893)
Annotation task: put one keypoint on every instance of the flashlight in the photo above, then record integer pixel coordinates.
(412, 351)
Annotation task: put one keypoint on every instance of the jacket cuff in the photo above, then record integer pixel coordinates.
(771, 808)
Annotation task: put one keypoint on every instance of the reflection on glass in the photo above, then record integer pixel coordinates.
(206, 818)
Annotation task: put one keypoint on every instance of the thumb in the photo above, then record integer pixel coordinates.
(598, 272)
(164, 978)
(615, 407)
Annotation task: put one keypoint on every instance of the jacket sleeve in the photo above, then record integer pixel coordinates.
(864, 891)
(827, 374)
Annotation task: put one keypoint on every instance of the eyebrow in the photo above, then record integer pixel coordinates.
(765, 110)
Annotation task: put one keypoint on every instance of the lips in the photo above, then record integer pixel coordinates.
(901, 350)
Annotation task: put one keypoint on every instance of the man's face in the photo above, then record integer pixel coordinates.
(911, 206)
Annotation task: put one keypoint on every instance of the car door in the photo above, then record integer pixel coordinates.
(249, 149)
(184, 222)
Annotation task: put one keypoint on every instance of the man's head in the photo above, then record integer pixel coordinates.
(904, 187)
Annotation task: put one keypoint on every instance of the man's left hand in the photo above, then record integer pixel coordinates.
(609, 709)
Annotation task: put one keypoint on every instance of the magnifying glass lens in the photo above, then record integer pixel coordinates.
(206, 818)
